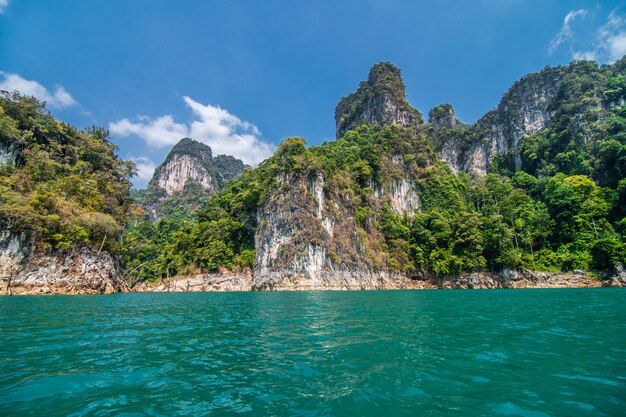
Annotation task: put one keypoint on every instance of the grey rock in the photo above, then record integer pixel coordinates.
(380, 100)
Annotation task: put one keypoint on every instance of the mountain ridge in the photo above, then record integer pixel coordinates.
(536, 184)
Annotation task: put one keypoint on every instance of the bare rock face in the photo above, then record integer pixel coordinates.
(219, 282)
(529, 107)
(511, 278)
(9, 153)
(308, 236)
(79, 271)
(615, 277)
(381, 100)
(524, 110)
(297, 231)
(192, 160)
(188, 176)
(174, 174)
(447, 135)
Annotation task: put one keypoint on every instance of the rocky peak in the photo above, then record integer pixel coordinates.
(523, 110)
(188, 176)
(442, 117)
(381, 100)
(187, 160)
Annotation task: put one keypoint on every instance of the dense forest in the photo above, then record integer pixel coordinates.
(61, 186)
(556, 202)
(564, 208)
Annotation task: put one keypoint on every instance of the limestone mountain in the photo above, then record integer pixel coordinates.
(187, 177)
(380, 100)
(388, 202)
(568, 102)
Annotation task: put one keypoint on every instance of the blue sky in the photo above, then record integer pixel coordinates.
(243, 75)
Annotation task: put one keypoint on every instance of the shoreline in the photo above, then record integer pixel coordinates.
(243, 282)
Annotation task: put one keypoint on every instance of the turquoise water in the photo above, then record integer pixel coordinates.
(392, 353)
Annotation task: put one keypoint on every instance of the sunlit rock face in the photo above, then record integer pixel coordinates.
(528, 108)
(380, 100)
(173, 175)
(188, 176)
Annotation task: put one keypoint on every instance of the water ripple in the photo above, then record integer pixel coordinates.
(397, 353)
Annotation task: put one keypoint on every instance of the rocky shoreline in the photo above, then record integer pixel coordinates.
(86, 278)
(84, 271)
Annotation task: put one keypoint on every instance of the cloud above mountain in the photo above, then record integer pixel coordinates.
(57, 98)
(605, 42)
(223, 131)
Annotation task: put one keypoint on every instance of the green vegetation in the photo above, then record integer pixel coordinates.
(553, 223)
(61, 186)
(558, 204)
(384, 80)
(184, 203)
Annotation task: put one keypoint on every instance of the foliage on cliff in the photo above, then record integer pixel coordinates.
(587, 136)
(61, 186)
(381, 99)
(183, 203)
(563, 210)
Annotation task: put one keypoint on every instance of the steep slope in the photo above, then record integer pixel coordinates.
(187, 177)
(317, 229)
(63, 202)
(568, 99)
(380, 100)
(377, 209)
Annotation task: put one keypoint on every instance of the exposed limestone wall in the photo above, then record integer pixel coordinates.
(173, 175)
(509, 278)
(8, 153)
(308, 237)
(219, 282)
(524, 110)
(403, 197)
(79, 271)
(297, 231)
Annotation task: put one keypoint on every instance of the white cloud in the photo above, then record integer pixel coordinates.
(585, 56)
(612, 37)
(224, 132)
(145, 169)
(158, 133)
(59, 98)
(565, 34)
(604, 44)
(3, 5)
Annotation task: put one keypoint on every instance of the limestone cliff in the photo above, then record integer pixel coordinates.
(532, 105)
(380, 100)
(313, 230)
(187, 177)
(9, 153)
(80, 270)
(309, 236)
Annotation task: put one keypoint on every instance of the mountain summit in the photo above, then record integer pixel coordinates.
(381, 100)
(188, 175)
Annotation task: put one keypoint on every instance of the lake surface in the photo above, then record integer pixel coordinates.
(374, 353)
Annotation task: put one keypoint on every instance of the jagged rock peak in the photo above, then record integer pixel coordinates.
(187, 160)
(186, 178)
(442, 117)
(379, 100)
(193, 160)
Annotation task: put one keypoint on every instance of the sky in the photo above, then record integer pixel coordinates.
(242, 76)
